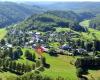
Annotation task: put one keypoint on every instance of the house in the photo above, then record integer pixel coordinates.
(34, 46)
(31, 41)
(30, 32)
(90, 53)
(70, 54)
(9, 45)
(45, 49)
(66, 47)
(37, 33)
(81, 50)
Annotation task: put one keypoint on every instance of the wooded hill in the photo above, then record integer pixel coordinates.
(49, 20)
(95, 22)
(13, 12)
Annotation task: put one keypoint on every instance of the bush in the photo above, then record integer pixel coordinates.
(37, 71)
(53, 52)
(29, 55)
(38, 63)
(43, 61)
(33, 66)
(41, 68)
(79, 72)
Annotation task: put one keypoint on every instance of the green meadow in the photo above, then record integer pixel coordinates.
(2, 33)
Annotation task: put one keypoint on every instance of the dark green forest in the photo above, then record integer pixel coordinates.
(11, 13)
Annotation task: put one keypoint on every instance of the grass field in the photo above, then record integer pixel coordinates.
(2, 33)
(89, 36)
(60, 66)
(85, 23)
(59, 29)
(7, 76)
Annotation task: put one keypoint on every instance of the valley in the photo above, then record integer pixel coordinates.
(41, 43)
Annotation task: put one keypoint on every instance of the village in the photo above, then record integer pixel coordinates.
(23, 44)
(62, 42)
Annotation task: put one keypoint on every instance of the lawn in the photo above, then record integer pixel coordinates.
(2, 33)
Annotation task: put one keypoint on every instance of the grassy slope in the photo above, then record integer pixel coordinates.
(62, 29)
(60, 66)
(89, 36)
(85, 23)
(7, 76)
(2, 33)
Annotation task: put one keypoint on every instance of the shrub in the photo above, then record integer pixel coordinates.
(79, 72)
(38, 63)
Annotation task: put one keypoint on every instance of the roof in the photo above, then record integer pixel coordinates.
(9, 45)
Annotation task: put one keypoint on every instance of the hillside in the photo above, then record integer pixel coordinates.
(91, 31)
(13, 12)
(49, 20)
(67, 15)
(95, 22)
